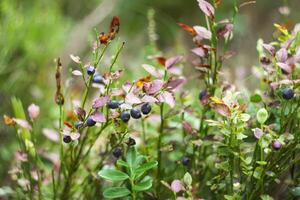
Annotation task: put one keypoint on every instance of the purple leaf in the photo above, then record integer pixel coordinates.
(172, 61)
(282, 55)
(173, 84)
(269, 48)
(132, 99)
(176, 186)
(23, 123)
(202, 32)
(80, 113)
(258, 133)
(149, 99)
(151, 70)
(153, 87)
(285, 67)
(51, 134)
(168, 98)
(100, 101)
(75, 136)
(98, 117)
(199, 52)
(206, 8)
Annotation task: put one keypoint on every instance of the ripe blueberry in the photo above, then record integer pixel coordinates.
(113, 104)
(98, 79)
(78, 125)
(276, 144)
(185, 160)
(90, 70)
(135, 113)
(288, 93)
(125, 116)
(67, 139)
(202, 94)
(146, 108)
(90, 122)
(131, 141)
(117, 152)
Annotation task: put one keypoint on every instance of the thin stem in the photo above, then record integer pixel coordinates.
(161, 132)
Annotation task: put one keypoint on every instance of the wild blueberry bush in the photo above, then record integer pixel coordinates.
(151, 138)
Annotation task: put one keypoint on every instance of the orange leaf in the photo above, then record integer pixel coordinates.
(188, 28)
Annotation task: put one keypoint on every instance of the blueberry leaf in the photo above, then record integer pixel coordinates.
(115, 192)
(113, 175)
(145, 184)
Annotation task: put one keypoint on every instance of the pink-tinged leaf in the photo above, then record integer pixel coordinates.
(206, 8)
(176, 186)
(23, 123)
(258, 133)
(153, 87)
(117, 92)
(75, 136)
(225, 31)
(127, 86)
(176, 71)
(227, 55)
(202, 32)
(51, 134)
(33, 111)
(76, 73)
(168, 98)
(76, 59)
(269, 48)
(172, 61)
(188, 127)
(173, 84)
(199, 52)
(116, 75)
(222, 109)
(132, 99)
(100, 102)
(151, 70)
(282, 55)
(149, 99)
(98, 117)
(285, 67)
(80, 113)
(287, 43)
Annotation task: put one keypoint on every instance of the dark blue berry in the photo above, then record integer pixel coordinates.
(202, 95)
(135, 113)
(146, 108)
(67, 139)
(125, 116)
(117, 152)
(98, 79)
(131, 141)
(288, 93)
(90, 70)
(185, 160)
(78, 125)
(90, 122)
(113, 104)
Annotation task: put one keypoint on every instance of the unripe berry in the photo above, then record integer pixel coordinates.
(98, 79)
(78, 125)
(90, 70)
(276, 144)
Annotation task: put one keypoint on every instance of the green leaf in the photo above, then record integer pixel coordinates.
(245, 117)
(145, 167)
(296, 191)
(113, 175)
(256, 98)
(187, 179)
(131, 156)
(262, 115)
(145, 184)
(122, 163)
(116, 192)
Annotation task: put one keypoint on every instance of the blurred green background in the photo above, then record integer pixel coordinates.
(35, 32)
